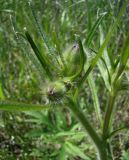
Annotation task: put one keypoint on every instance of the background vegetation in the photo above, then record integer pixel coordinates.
(55, 134)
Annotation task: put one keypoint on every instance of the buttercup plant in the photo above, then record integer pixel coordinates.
(64, 83)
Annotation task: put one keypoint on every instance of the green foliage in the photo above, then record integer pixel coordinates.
(125, 155)
(56, 133)
(44, 70)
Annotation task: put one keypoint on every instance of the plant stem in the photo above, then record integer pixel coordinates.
(14, 106)
(108, 115)
(99, 143)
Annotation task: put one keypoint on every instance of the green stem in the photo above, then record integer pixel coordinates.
(14, 106)
(99, 143)
(108, 115)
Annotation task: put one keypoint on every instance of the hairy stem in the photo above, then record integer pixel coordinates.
(101, 147)
(14, 106)
(108, 115)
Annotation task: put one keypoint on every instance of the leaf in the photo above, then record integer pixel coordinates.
(125, 155)
(42, 33)
(38, 117)
(104, 64)
(7, 11)
(106, 56)
(125, 53)
(82, 61)
(70, 133)
(117, 131)
(93, 29)
(62, 154)
(27, 56)
(38, 55)
(95, 97)
(105, 43)
(75, 3)
(123, 60)
(34, 133)
(14, 106)
(1, 93)
(104, 71)
(75, 151)
(45, 39)
(58, 47)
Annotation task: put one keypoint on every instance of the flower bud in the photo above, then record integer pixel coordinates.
(56, 91)
(72, 60)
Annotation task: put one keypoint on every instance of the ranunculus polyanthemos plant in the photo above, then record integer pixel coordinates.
(66, 75)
